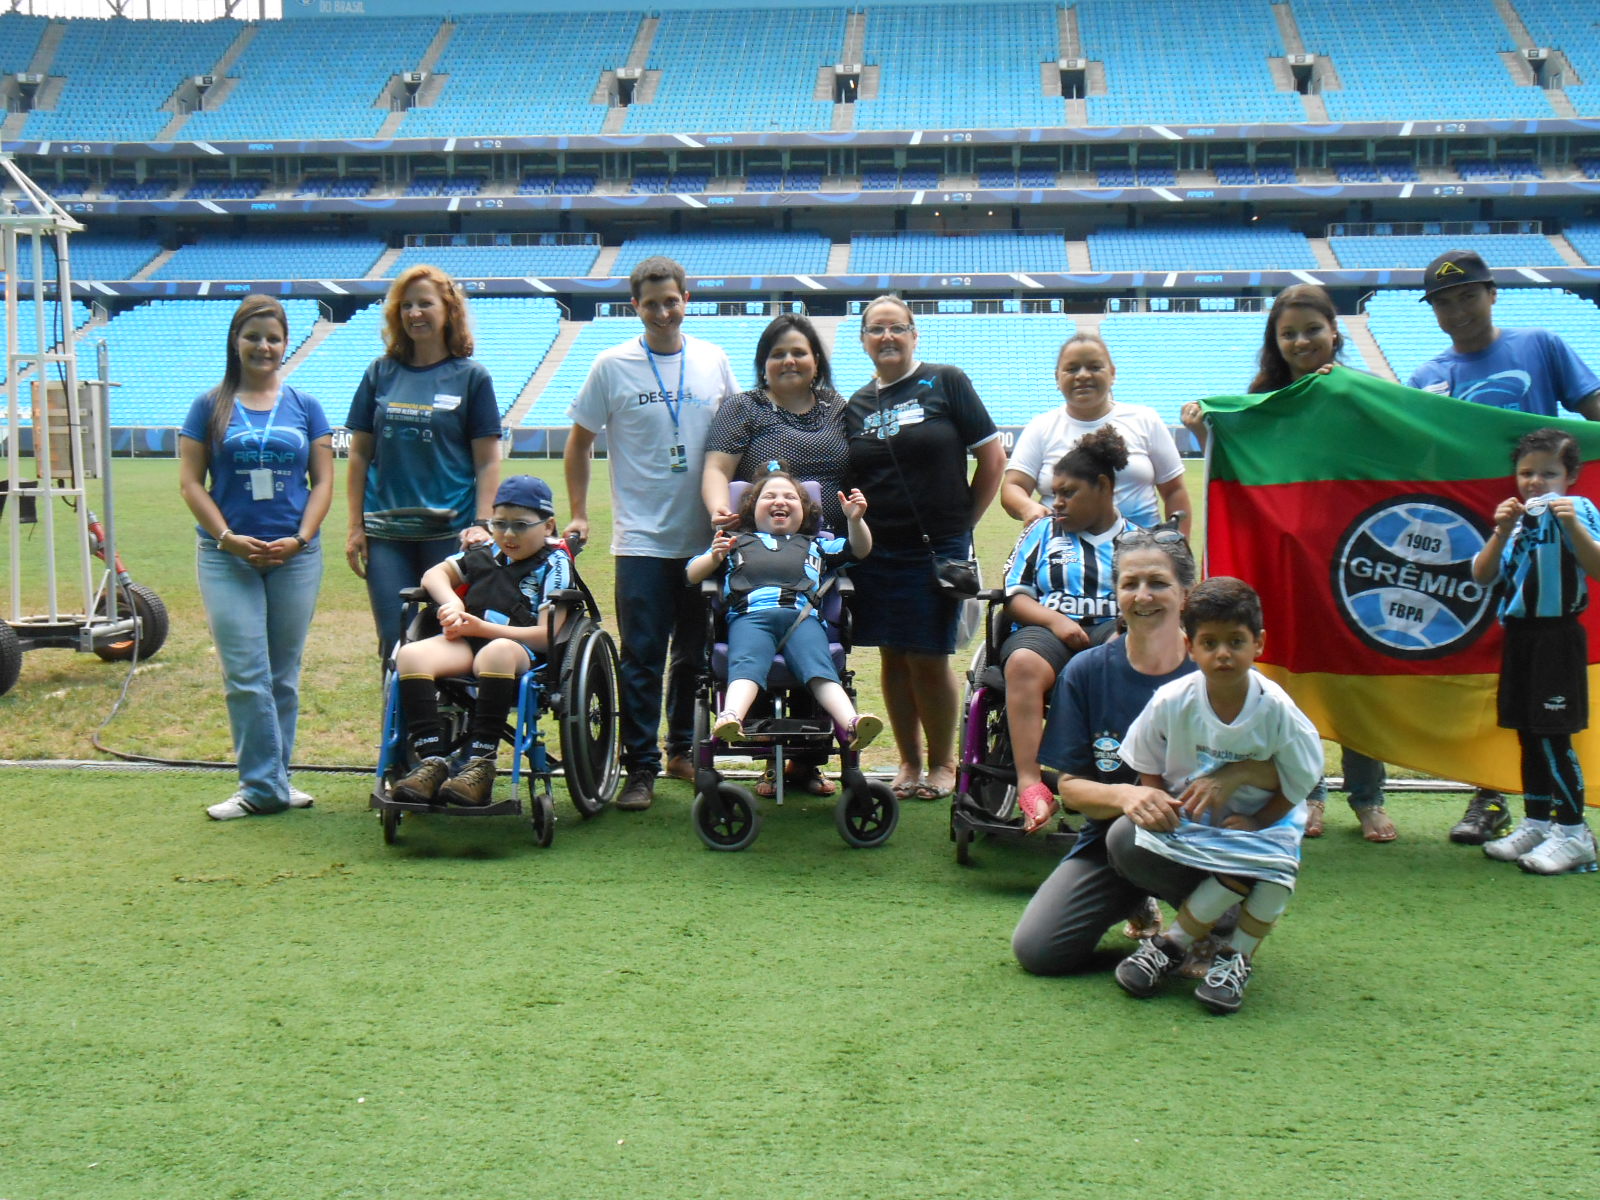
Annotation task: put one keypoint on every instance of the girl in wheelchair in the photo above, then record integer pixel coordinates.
(1061, 598)
(490, 600)
(774, 561)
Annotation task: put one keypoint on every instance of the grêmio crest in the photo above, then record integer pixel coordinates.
(1402, 577)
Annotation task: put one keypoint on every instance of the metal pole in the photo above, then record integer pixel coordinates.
(102, 394)
(14, 498)
(42, 432)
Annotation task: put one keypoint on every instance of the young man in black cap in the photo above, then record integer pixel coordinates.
(1531, 370)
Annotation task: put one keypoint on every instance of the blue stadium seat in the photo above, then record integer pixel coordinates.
(1372, 252)
(1408, 335)
(1200, 248)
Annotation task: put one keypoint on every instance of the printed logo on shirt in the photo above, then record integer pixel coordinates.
(884, 425)
(1402, 577)
(1106, 747)
(1503, 389)
(1556, 704)
(446, 403)
(662, 397)
(1438, 388)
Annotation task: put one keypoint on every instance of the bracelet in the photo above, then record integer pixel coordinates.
(223, 536)
(303, 543)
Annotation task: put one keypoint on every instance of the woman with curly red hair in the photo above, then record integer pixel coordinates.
(424, 445)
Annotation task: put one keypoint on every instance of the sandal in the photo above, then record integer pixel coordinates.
(863, 730)
(1144, 921)
(929, 790)
(1038, 804)
(1375, 824)
(728, 728)
(814, 782)
(1316, 812)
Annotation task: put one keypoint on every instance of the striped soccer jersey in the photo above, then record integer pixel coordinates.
(1070, 573)
(1539, 574)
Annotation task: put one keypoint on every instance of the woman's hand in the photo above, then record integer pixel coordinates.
(1070, 632)
(1207, 794)
(1193, 419)
(1152, 809)
(474, 535)
(276, 553)
(252, 550)
(854, 504)
(723, 517)
(355, 551)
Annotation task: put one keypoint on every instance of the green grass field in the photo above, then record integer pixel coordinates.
(289, 1008)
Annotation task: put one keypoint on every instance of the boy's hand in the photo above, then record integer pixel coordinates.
(1151, 808)
(1509, 513)
(1238, 821)
(1563, 510)
(854, 504)
(465, 625)
(1070, 632)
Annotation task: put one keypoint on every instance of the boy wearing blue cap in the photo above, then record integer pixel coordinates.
(491, 602)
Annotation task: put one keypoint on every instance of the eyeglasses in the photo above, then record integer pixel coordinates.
(515, 528)
(880, 330)
(1160, 537)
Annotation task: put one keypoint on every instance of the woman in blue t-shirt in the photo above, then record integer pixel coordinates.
(256, 470)
(424, 446)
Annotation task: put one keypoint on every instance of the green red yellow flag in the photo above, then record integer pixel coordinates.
(1355, 507)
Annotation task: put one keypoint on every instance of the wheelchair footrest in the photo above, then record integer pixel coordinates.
(501, 808)
(789, 729)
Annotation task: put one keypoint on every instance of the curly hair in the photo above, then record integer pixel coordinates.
(1275, 372)
(457, 335)
(811, 519)
(1101, 452)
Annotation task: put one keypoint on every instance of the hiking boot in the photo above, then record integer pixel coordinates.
(473, 787)
(422, 785)
(1223, 989)
(640, 791)
(1486, 817)
(1141, 973)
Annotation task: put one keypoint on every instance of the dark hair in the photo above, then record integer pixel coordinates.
(1083, 335)
(810, 521)
(1100, 452)
(222, 396)
(1275, 372)
(1178, 553)
(1223, 599)
(887, 298)
(1550, 441)
(655, 269)
(457, 336)
(781, 325)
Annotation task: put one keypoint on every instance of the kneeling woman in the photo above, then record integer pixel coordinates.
(1060, 598)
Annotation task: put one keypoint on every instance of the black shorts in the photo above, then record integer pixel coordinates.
(1048, 646)
(1544, 676)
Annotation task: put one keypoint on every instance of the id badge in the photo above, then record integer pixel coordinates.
(261, 483)
(678, 458)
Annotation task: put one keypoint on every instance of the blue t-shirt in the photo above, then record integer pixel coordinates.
(1539, 573)
(1094, 702)
(422, 483)
(279, 441)
(1526, 370)
(1070, 573)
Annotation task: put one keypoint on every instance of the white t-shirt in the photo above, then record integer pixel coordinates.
(1152, 454)
(655, 511)
(1180, 738)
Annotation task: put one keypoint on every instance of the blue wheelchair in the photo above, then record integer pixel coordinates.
(575, 683)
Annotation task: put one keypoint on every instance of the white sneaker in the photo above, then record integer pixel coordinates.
(1562, 854)
(1524, 839)
(299, 799)
(233, 806)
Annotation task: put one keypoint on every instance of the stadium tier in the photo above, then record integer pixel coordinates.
(272, 256)
(1395, 250)
(27, 330)
(1432, 59)
(961, 67)
(1165, 359)
(924, 253)
(1408, 335)
(499, 262)
(1572, 28)
(346, 68)
(1201, 248)
(1195, 63)
(1584, 237)
(95, 256)
(732, 253)
(333, 369)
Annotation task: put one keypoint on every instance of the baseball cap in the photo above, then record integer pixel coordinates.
(527, 491)
(1452, 269)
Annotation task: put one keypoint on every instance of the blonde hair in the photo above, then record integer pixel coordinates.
(457, 336)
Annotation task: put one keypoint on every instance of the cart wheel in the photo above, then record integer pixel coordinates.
(391, 825)
(870, 820)
(588, 723)
(152, 615)
(735, 827)
(544, 820)
(963, 839)
(10, 658)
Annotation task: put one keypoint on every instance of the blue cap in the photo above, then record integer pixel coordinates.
(527, 491)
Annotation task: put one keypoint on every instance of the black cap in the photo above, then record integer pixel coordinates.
(1452, 269)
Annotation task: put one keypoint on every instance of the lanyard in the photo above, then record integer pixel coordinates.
(673, 402)
(244, 415)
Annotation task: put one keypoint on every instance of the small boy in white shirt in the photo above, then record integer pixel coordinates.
(1247, 841)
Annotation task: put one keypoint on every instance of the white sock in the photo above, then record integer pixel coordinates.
(1572, 831)
(1541, 826)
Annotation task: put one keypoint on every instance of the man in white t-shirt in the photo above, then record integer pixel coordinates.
(654, 396)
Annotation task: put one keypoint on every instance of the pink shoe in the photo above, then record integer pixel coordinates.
(1037, 803)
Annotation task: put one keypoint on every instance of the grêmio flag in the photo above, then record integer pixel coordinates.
(1355, 506)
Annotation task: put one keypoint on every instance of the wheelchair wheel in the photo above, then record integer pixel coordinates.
(588, 721)
(867, 821)
(544, 819)
(993, 776)
(391, 825)
(735, 827)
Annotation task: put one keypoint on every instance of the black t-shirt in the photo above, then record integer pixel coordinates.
(933, 416)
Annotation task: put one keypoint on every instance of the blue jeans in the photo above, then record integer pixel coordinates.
(259, 619)
(391, 566)
(655, 607)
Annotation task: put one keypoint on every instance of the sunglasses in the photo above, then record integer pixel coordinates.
(515, 528)
(1160, 537)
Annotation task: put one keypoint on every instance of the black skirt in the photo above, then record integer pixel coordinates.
(1544, 676)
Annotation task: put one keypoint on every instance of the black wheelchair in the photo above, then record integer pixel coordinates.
(725, 814)
(575, 683)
